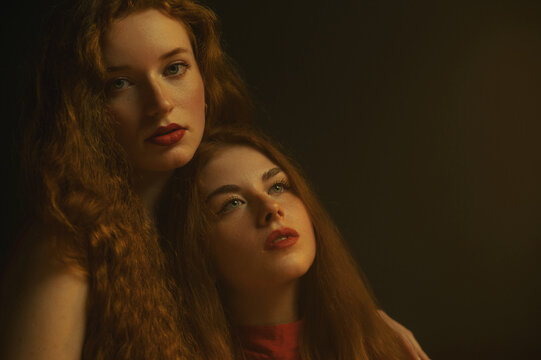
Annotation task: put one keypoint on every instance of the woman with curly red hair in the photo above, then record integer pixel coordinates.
(121, 96)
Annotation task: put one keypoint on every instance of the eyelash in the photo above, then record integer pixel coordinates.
(111, 87)
(182, 68)
(284, 187)
(227, 202)
(283, 182)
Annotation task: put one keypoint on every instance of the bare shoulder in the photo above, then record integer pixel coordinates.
(44, 305)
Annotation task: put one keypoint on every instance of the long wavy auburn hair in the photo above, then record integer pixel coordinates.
(339, 312)
(77, 179)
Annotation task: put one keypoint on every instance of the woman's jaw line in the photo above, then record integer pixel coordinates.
(149, 185)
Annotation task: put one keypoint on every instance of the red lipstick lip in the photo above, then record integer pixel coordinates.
(291, 239)
(167, 135)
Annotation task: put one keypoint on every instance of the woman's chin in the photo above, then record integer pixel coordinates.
(166, 162)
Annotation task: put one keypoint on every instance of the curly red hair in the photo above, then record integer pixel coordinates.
(78, 181)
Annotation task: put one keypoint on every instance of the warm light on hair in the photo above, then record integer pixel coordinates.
(77, 178)
(340, 317)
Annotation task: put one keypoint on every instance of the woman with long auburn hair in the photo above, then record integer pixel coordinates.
(120, 98)
(263, 261)
(122, 93)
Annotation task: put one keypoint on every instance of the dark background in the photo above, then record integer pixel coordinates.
(418, 123)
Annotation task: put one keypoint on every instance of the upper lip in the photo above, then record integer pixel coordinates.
(165, 129)
(274, 235)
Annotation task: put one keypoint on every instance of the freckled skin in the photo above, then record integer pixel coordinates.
(150, 90)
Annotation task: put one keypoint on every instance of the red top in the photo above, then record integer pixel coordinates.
(274, 342)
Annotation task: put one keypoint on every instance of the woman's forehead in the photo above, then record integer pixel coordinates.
(142, 32)
(234, 164)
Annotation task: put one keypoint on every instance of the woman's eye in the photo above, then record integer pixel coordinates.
(119, 84)
(231, 205)
(278, 188)
(175, 69)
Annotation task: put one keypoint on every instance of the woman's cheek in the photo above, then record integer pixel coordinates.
(124, 111)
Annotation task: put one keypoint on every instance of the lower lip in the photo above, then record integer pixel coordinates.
(168, 139)
(282, 244)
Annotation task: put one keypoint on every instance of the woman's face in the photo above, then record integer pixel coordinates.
(262, 235)
(154, 89)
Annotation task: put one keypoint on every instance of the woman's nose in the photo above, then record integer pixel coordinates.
(158, 101)
(271, 211)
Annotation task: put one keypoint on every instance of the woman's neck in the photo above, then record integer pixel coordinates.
(148, 185)
(264, 307)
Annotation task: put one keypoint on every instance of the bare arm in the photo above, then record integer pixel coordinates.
(46, 318)
(406, 337)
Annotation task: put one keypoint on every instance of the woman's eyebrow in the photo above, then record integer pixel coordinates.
(112, 69)
(168, 54)
(173, 52)
(270, 173)
(225, 189)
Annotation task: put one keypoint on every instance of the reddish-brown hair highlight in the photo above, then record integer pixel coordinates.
(340, 315)
(78, 181)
